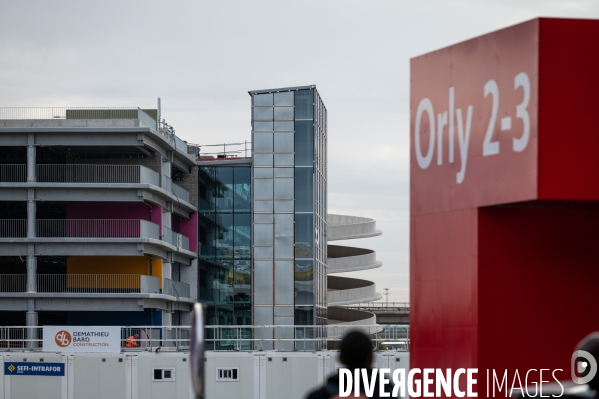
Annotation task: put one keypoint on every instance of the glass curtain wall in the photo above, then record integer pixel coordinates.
(289, 214)
(273, 174)
(310, 209)
(225, 247)
(320, 208)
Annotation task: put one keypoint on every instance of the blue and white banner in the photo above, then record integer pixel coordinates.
(34, 368)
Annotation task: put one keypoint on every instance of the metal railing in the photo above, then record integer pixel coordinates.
(18, 337)
(13, 228)
(97, 283)
(83, 283)
(13, 173)
(12, 113)
(176, 288)
(13, 282)
(181, 145)
(176, 239)
(97, 228)
(180, 192)
(168, 132)
(174, 188)
(161, 127)
(48, 173)
(222, 338)
(229, 150)
(184, 243)
(372, 306)
(92, 228)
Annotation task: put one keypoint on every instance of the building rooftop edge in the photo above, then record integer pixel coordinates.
(281, 89)
(224, 161)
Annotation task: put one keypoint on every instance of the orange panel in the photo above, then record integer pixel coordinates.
(113, 265)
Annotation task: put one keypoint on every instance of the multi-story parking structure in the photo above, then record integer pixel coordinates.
(96, 225)
(104, 213)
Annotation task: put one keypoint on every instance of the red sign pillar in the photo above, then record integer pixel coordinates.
(504, 213)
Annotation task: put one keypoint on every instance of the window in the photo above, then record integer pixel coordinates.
(263, 99)
(304, 191)
(163, 374)
(304, 235)
(227, 374)
(304, 143)
(304, 104)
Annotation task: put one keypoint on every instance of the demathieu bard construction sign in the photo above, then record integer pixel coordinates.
(82, 339)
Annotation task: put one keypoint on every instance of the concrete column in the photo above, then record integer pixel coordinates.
(167, 319)
(166, 217)
(30, 158)
(169, 333)
(185, 318)
(189, 275)
(31, 209)
(31, 321)
(165, 170)
(166, 267)
(166, 165)
(31, 273)
(167, 270)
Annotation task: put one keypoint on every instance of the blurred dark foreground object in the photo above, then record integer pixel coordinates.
(572, 390)
(355, 352)
(196, 351)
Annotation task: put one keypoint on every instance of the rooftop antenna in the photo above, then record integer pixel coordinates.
(159, 112)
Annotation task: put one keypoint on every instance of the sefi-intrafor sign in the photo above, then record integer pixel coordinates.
(82, 339)
(473, 115)
(34, 368)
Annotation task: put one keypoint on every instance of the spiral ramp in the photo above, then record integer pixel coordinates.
(343, 259)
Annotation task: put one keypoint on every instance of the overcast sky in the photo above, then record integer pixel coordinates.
(202, 57)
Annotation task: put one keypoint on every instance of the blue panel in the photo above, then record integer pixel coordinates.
(157, 318)
(114, 318)
(34, 368)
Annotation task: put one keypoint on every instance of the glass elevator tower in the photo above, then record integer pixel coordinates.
(289, 208)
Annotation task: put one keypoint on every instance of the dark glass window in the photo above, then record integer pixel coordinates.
(304, 235)
(304, 143)
(242, 286)
(224, 236)
(224, 189)
(304, 316)
(206, 239)
(206, 189)
(241, 225)
(304, 282)
(304, 191)
(243, 197)
(304, 104)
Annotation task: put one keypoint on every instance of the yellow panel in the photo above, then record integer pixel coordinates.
(110, 265)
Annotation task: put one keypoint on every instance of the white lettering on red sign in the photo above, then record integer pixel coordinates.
(464, 125)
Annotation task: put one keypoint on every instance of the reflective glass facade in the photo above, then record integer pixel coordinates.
(320, 210)
(225, 244)
(289, 207)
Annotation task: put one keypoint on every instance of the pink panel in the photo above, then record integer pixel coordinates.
(189, 228)
(108, 210)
